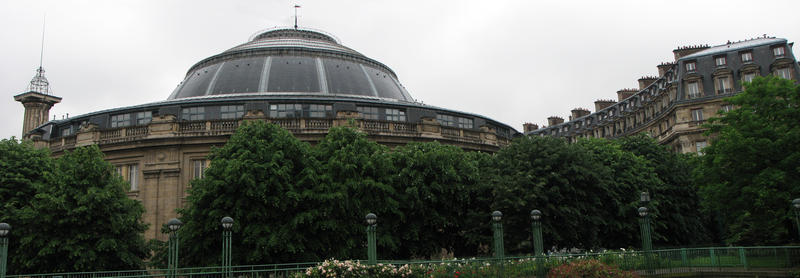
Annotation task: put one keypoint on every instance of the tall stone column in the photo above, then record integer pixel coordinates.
(37, 109)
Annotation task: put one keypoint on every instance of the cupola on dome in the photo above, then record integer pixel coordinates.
(291, 61)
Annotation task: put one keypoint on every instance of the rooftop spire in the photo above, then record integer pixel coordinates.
(295, 15)
(39, 83)
(41, 49)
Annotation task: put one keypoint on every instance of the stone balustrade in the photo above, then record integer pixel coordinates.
(484, 139)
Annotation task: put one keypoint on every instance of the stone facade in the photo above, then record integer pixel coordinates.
(673, 106)
(161, 158)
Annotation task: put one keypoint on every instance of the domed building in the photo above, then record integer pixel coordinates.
(303, 80)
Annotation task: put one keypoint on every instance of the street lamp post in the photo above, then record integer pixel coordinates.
(372, 251)
(497, 216)
(172, 262)
(796, 205)
(498, 234)
(644, 226)
(536, 215)
(647, 244)
(227, 224)
(4, 230)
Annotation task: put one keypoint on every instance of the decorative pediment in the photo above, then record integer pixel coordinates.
(722, 72)
(693, 76)
(750, 68)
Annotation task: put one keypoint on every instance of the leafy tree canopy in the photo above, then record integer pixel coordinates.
(354, 172)
(752, 170)
(80, 219)
(265, 179)
(443, 198)
(674, 198)
(21, 167)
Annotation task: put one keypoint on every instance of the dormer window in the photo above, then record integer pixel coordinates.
(367, 112)
(193, 114)
(691, 66)
(720, 61)
(120, 120)
(397, 115)
(231, 111)
(143, 118)
(66, 131)
(723, 85)
(693, 90)
(747, 57)
(778, 51)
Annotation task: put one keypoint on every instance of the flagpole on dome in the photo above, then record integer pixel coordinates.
(295, 15)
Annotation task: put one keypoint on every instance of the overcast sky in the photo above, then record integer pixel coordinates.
(512, 61)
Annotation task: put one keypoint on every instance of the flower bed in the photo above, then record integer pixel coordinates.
(452, 268)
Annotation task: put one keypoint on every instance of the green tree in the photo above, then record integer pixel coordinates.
(356, 171)
(675, 197)
(589, 191)
(81, 219)
(21, 167)
(440, 192)
(265, 179)
(22, 170)
(751, 172)
(615, 196)
(548, 174)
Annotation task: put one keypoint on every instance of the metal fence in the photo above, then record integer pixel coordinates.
(657, 263)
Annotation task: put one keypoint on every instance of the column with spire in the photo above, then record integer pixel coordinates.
(37, 102)
(37, 99)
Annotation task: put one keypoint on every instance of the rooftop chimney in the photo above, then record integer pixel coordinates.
(646, 81)
(664, 67)
(528, 127)
(554, 120)
(625, 93)
(601, 104)
(684, 51)
(579, 112)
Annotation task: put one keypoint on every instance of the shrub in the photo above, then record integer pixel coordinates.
(589, 269)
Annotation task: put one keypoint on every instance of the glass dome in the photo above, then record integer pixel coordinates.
(291, 61)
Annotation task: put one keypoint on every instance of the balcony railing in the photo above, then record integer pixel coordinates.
(110, 134)
(230, 125)
(294, 125)
(136, 131)
(192, 127)
(323, 124)
(379, 126)
(288, 124)
(400, 127)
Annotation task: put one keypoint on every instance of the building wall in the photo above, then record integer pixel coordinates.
(161, 155)
(664, 109)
